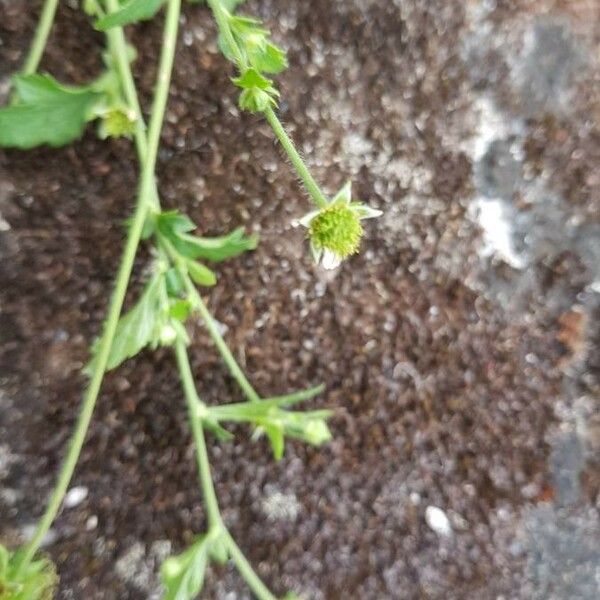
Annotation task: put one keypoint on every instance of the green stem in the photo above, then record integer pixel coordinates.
(40, 37)
(118, 49)
(247, 572)
(144, 201)
(311, 185)
(194, 404)
(215, 334)
(222, 19)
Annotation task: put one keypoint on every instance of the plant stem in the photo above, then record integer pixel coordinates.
(215, 334)
(311, 185)
(193, 403)
(118, 49)
(222, 19)
(208, 490)
(144, 201)
(247, 572)
(40, 37)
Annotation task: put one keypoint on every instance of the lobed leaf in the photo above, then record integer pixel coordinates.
(183, 575)
(46, 112)
(137, 328)
(175, 227)
(132, 11)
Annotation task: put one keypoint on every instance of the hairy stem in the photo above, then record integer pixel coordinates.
(222, 19)
(40, 37)
(284, 139)
(144, 201)
(194, 404)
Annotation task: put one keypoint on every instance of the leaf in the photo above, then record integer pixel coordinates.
(132, 11)
(274, 432)
(46, 112)
(175, 227)
(183, 575)
(251, 78)
(268, 59)
(200, 274)
(137, 328)
(36, 582)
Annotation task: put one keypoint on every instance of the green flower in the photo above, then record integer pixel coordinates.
(335, 230)
(117, 122)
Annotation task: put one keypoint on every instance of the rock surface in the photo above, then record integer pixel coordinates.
(460, 349)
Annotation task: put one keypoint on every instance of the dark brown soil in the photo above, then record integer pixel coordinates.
(450, 373)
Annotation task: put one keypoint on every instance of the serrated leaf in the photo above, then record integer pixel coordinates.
(46, 112)
(200, 274)
(251, 78)
(183, 575)
(173, 221)
(137, 328)
(175, 227)
(37, 581)
(268, 59)
(131, 11)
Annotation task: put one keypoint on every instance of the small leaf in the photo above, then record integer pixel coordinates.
(172, 221)
(131, 11)
(269, 59)
(180, 310)
(46, 112)
(183, 575)
(136, 329)
(217, 249)
(200, 274)
(37, 581)
(274, 432)
(174, 283)
(251, 78)
(175, 227)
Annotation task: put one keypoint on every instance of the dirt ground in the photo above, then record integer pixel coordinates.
(460, 349)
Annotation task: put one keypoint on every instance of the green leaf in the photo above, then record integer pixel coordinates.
(271, 417)
(268, 59)
(251, 78)
(46, 112)
(180, 310)
(137, 328)
(132, 11)
(175, 227)
(183, 575)
(274, 432)
(36, 582)
(200, 274)
(175, 285)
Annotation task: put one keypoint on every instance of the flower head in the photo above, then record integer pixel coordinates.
(335, 230)
(117, 122)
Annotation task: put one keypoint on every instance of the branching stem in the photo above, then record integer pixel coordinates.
(145, 199)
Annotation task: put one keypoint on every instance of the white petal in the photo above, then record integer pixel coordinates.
(330, 260)
(316, 252)
(307, 218)
(366, 212)
(345, 194)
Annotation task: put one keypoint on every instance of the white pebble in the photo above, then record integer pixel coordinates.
(75, 496)
(438, 521)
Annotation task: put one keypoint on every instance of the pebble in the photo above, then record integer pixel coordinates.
(438, 521)
(75, 496)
